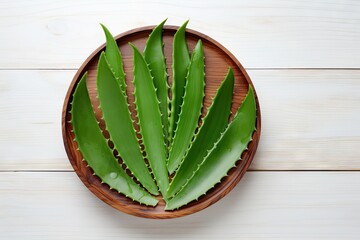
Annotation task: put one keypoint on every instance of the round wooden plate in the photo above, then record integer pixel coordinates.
(217, 61)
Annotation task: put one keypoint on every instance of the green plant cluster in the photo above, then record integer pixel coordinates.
(174, 144)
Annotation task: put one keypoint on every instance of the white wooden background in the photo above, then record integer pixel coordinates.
(304, 59)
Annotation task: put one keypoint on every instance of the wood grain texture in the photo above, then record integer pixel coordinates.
(264, 205)
(310, 120)
(309, 117)
(261, 34)
(316, 132)
(217, 61)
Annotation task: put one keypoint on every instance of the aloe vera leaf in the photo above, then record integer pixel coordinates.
(119, 124)
(180, 64)
(119, 114)
(214, 123)
(114, 58)
(154, 56)
(96, 152)
(190, 109)
(148, 113)
(223, 156)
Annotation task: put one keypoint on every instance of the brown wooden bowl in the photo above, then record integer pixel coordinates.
(217, 61)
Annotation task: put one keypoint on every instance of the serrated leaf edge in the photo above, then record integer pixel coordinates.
(115, 145)
(195, 136)
(139, 120)
(181, 110)
(107, 141)
(209, 152)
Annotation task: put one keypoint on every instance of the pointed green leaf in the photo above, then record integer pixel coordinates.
(95, 150)
(213, 125)
(223, 156)
(114, 58)
(154, 56)
(180, 64)
(190, 109)
(119, 124)
(148, 112)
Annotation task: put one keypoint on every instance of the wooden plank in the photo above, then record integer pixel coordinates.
(271, 205)
(30, 123)
(310, 119)
(261, 34)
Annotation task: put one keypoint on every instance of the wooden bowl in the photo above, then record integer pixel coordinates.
(217, 61)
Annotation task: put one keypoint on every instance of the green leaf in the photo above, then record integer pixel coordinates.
(223, 156)
(154, 56)
(95, 150)
(148, 113)
(114, 58)
(119, 124)
(190, 109)
(214, 123)
(180, 64)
